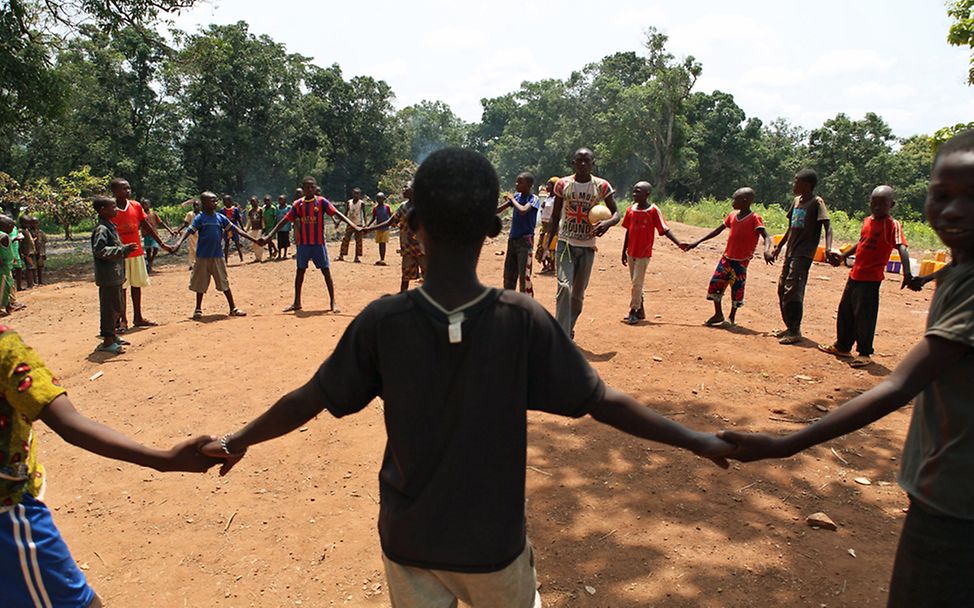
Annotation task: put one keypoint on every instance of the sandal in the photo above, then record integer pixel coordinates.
(114, 348)
(122, 342)
(832, 349)
(236, 312)
(197, 314)
(861, 361)
(145, 323)
(789, 339)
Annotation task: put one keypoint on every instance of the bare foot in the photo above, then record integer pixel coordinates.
(145, 323)
(293, 308)
(714, 321)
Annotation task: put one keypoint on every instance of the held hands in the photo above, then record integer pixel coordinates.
(214, 449)
(749, 447)
(714, 448)
(769, 258)
(834, 257)
(687, 246)
(913, 283)
(129, 248)
(188, 456)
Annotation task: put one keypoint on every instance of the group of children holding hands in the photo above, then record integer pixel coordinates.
(452, 481)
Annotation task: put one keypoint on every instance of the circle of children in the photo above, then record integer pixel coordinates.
(452, 482)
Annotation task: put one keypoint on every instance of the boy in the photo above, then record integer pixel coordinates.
(149, 243)
(520, 240)
(109, 256)
(642, 222)
(210, 226)
(413, 258)
(309, 213)
(40, 249)
(806, 219)
(284, 234)
(547, 205)
(356, 213)
(27, 248)
(130, 221)
(859, 307)
(6, 265)
(36, 567)
(575, 196)
(270, 218)
(232, 213)
(745, 228)
(452, 496)
(935, 556)
(255, 224)
(380, 214)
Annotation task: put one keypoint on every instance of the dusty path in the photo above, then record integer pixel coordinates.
(639, 523)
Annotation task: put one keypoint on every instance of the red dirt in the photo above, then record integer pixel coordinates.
(642, 524)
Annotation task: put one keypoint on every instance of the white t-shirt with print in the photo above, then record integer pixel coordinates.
(578, 199)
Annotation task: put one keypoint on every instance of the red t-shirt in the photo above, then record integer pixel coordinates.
(308, 216)
(743, 237)
(876, 242)
(128, 222)
(641, 224)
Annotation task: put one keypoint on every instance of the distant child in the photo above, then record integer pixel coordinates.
(859, 307)
(575, 196)
(269, 210)
(36, 567)
(742, 241)
(149, 242)
(210, 263)
(547, 206)
(232, 212)
(109, 255)
(413, 257)
(16, 238)
(255, 225)
(452, 481)
(355, 209)
(40, 249)
(284, 233)
(308, 213)
(187, 222)
(380, 215)
(935, 557)
(27, 248)
(643, 221)
(7, 227)
(806, 219)
(520, 240)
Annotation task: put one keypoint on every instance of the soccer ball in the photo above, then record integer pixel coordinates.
(598, 214)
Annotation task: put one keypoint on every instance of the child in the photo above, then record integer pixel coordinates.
(452, 496)
(575, 196)
(270, 218)
(232, 212)
(187, 222)
(309, 213)
(6, 265)
(547, 205)
(935, 557)
(27, 248)
(380, 214)
(150, 242)
(413, 257)
(859, 307)
(806, 218)
(356, 213)
(36, 567)
(40, 249)
(16, 238)
(642, 222)
(520, 240)
(131, 223)
(109, 256)
(745, 227)
(284, 233)
(210, 226)
(255, 224)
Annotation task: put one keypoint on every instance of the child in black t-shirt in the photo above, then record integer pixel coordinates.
(451, 521)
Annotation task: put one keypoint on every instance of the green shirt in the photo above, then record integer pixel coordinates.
(938, 458)
(270, 218)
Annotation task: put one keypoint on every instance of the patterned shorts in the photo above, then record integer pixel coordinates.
(732, 273)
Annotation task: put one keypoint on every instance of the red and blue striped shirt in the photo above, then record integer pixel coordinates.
(308, 216)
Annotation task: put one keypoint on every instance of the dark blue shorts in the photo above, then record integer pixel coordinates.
(36, 568)
(314, 253)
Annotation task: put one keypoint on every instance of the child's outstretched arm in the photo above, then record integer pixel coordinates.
(61, 415)
(908, 280)
(707, 237)
(921, 366)
(621, 411)
(246, 235)
(676, 241)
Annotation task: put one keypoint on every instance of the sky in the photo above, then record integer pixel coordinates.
(802, 61)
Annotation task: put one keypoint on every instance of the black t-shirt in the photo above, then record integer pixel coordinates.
(805, 226)
(452, 478)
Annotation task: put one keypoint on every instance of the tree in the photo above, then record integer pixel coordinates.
(68, 203)
(961, 32)
(429, 126)
(395, 179)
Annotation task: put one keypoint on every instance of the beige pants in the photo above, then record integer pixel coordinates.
(637, 274)
(516, 586)
(193, 239)
(258, 250)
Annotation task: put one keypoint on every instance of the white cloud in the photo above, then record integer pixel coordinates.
(454, 38)
(850, 61)
(880, 91)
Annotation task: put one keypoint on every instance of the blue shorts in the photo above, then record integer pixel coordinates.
(36, 568)
(314, 253)
(149, 243)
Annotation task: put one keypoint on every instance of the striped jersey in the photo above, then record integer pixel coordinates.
(308, 216)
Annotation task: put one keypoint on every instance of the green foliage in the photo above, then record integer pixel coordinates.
(394, 180)
(942, 135)
(961, 31)
(68, 201)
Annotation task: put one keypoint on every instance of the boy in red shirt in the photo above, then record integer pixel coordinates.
(641, 219)
(859, 307)
(745, 227)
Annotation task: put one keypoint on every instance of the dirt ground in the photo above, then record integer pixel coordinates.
(615, 521)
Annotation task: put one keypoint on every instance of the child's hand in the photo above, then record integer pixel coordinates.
(625, 259)
(189, 457)
(213, 449)
(768, 258)
(913, 283)
(130, 248)
(601, 228)
(686, 246)
(713, 447)
(753, 446)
